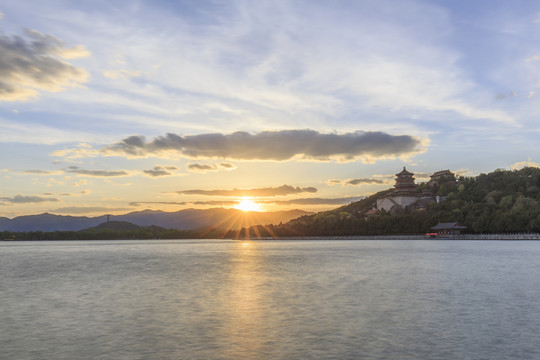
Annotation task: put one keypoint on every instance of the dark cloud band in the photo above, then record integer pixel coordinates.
(271, 145)
(24, 199)
(99, 173)
(363, 181)
(258, 192)
(202, 168)
(160, 171)
(316, 201)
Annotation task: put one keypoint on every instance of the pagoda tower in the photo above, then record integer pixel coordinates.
(405, 183)
(405, 193)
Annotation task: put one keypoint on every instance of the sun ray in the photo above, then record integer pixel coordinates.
(271, 232)
(257, 232)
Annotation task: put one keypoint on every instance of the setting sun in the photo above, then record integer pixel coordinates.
(247, 204)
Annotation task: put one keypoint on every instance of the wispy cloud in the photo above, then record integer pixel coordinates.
(333, 182)
(82, 150)
(375, 180)
(202, 168)
(114, 74)
(315, 201)
(319, 60)
(256, 192)
(34, 132)
(38, 172)
(30, 63)
(228, 166)
(272, 145)
(160, 171)
(26, 199)
(98, 173)
(32, 172)
(361, 181)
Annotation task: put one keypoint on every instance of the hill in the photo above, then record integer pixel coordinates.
(503, 201)
(50, 222)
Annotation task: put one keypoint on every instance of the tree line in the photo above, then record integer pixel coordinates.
(112, 234)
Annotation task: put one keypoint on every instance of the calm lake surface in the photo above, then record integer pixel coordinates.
(221, 299)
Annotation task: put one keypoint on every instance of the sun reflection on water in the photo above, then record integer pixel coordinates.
(244, 303)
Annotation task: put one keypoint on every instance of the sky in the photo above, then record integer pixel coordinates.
(108, 107)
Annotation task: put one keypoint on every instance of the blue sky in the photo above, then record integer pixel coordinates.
(115, 106)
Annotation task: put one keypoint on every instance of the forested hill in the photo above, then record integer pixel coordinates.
(502, 201)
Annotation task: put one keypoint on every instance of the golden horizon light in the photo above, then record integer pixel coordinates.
(247, 204)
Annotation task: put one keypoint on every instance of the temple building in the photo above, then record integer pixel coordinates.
(441, 176)
(405, 193)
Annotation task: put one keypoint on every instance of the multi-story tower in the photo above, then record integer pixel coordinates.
(405, 193)
(405, 183)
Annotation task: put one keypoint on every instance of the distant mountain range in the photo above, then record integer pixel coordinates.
(188, 219)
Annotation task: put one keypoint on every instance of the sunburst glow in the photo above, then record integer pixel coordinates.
(246, 204)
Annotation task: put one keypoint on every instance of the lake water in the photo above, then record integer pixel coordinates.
(220, 299)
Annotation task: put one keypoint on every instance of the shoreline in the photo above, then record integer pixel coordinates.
(463, 237)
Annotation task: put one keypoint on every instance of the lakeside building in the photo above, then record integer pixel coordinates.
(452, 229)
(406, 192)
